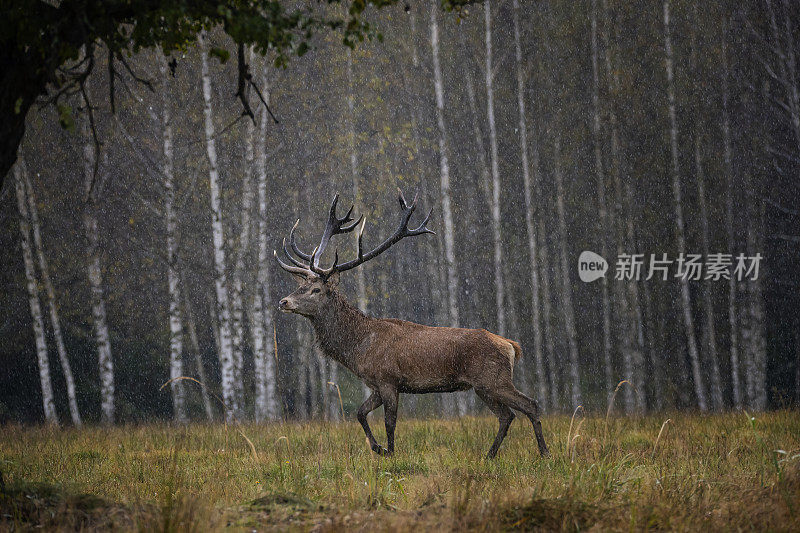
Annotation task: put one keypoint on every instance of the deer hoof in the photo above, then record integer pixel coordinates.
(380, 450)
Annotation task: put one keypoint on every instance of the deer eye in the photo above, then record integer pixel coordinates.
(315, 290)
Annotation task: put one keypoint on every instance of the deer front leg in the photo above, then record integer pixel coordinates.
(370, 404)
(389, 396)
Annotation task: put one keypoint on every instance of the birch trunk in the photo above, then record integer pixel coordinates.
(55, 321)
(547, 310)
(686, 299)
(48, 404)
(266, 407)
(102, 339)
(173, 282)
(733, 323)
(223, 309)
(444, 170)
(601, 202)
(621, 297)
(495, 166)
(530, 213)
(237, 285)
(191, 330)
(569, 313)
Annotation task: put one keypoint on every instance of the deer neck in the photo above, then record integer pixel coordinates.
(342, 331)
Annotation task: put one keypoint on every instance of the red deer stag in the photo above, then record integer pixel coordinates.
(393, 356)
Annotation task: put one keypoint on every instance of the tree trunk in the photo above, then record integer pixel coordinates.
(266, 403)
(55, 321)
(237, 286)
(601, 203)
(569, 313)
(444, 170)
(756, 345)
(530, 212)
(686, 300)
(173, 282)
(104, 358)
(733, 323)
(223, 309)
(497, 238)
(48, 404)
(191, 330)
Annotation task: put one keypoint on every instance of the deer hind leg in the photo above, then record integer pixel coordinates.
(504, 415)
(514, 399)
(370, 404)
(389, 395)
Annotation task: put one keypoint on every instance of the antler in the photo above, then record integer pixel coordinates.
(336, 226)
(401, 232)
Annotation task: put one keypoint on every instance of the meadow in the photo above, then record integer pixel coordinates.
(676, 472)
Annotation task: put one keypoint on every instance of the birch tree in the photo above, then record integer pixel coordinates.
(266, 404)
(95, 274)
(42, 360)
(223, 310)
(173, 280)
(55, 321)
(497, 237)
(601, 201)
(444, 172)
(680, 234)
(530, 210)
(569, 312)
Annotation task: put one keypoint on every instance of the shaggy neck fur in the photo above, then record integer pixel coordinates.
(341, 331)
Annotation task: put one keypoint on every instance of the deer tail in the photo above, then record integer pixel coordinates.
(517, 350)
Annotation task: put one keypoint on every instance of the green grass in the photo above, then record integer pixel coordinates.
(714, 472)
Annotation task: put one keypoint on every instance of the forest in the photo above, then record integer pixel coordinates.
(140, 218)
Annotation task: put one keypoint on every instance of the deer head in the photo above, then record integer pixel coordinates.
(317, 285)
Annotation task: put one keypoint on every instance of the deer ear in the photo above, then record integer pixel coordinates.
(333, 280)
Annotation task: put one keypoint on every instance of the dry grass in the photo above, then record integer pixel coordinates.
(717, 472)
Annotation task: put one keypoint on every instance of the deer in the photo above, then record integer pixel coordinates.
(393, 356)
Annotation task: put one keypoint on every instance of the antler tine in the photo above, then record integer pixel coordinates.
(401, 232)
(325, 272)
(359, 245)
(293, 269)
(419, 230)
(334, 226)
(301, 254)
(296, 262)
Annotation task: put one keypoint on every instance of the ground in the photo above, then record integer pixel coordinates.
(676, 472)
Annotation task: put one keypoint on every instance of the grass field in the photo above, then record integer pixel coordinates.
(722, 472)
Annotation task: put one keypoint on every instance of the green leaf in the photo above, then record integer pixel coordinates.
(302, 49)
(18, 106)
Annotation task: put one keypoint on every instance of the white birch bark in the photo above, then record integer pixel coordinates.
(37, 320)
(444, 170)
(237, 283)
(547, 313)
(173, 281)
(601, 202)
(686, 299)
(223, 310)
(569, 312)
(733, 322)
(497, 238)
(55, 321)
(102, 339)
(530, 214)
(266, 404)
(756, 378)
